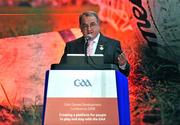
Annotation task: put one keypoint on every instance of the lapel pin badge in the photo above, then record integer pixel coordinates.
(101, 47)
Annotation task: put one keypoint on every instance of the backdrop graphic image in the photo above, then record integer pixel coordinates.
(33, 35)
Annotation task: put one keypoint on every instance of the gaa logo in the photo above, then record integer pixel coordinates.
(82, 82)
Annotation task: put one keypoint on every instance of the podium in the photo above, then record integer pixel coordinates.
(82, 95)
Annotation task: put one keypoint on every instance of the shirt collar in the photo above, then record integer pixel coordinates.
(96, 39)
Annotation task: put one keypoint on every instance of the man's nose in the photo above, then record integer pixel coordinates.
(89, 28)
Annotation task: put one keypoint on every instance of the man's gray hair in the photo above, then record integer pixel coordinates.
(88, 13)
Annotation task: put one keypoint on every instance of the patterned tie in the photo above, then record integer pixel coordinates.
(90, 48)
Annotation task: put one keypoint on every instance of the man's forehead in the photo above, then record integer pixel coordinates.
(89, 19)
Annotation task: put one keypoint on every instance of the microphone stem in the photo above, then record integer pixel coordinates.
(85, 51)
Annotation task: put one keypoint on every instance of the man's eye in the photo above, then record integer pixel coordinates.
(93, 24)
(85, 26)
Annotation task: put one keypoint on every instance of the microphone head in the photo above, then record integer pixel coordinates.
(88, 37)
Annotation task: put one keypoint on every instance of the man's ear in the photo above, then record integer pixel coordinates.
(80, 28)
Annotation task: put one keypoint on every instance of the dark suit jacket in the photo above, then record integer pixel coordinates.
(111, 50)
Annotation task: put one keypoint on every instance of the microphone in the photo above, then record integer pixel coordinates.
(87, 38)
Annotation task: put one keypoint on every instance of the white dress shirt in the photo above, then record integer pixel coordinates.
(96, 39)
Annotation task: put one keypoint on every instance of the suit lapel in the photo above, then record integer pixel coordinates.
(101, 45)
(80, 45)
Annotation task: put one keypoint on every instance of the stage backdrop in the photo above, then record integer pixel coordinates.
(34, 38)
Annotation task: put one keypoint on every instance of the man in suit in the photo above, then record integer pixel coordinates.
(97, 43)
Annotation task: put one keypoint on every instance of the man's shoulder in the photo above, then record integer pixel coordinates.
(110, 40)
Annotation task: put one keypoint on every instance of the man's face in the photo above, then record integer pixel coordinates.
(90, 25)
